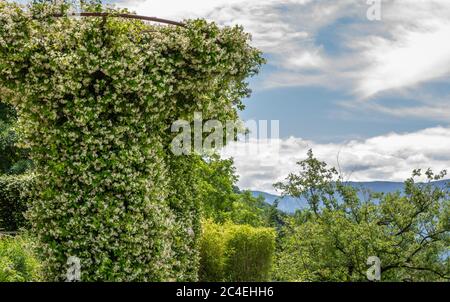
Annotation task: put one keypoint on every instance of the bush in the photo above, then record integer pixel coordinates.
(18, 262)
(13, 201)
(235, 253)
(212, 252)
(249, 253)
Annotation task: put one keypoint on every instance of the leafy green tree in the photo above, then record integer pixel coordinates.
(250, 210)
(216, 186)
(13, 159)
(332, 240)
(222, 200)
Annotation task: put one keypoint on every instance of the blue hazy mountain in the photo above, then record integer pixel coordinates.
(289, 204)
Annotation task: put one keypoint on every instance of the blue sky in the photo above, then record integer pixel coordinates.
(376, 93)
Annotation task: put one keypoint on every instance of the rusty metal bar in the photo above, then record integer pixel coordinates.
(128, 16)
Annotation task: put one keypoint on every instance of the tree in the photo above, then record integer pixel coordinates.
(216, 185)
(332, 240)
(222, 200)
(13, 159)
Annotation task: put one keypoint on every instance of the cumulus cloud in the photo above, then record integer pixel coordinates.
(391, 157)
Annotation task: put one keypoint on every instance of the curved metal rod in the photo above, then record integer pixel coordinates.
(129, 16)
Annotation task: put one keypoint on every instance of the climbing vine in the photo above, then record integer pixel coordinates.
(96, 98)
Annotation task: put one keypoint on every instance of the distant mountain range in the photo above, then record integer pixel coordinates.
(290, 204)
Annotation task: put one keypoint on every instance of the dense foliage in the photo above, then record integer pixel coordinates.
(14, 201)
(13, 159)
(231, 252)
(18, 262)
(222, 200)
(96, 98)
(408, 231)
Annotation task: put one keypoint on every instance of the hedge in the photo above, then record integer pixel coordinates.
(235, 253)
(14, 201)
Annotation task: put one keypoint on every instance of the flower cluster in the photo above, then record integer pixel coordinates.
(96, 98)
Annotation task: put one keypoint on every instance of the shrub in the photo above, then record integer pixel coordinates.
(235, 253)
(18, 262)
(14, 200)
(96, 99)
(212, 252)
(249, 253)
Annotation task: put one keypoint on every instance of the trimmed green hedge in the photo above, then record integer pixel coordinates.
(18, 262)
(235, 253)
(13, 201)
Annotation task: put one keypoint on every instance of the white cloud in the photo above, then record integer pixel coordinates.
(415, 102)
(434, 112)
(179, 9)
(415, 49)
(390, 157)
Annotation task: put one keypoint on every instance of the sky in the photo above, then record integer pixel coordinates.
(369, 96)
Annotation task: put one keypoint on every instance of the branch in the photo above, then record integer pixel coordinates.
(443, 276)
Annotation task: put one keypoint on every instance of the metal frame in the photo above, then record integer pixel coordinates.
(128, 16)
